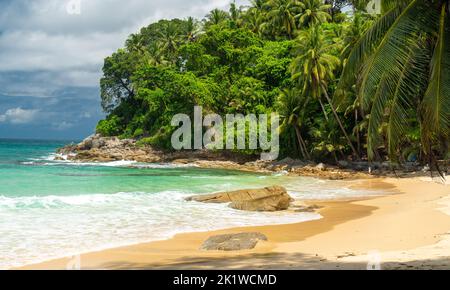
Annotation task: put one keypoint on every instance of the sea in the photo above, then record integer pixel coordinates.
(57, 208)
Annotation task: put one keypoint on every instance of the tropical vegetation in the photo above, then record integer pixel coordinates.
(349, 81)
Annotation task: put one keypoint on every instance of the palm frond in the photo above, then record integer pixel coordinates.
(408, 91)
(387, 5)
(376, 118)
(436, 103)
(365, 46)
(394, 50)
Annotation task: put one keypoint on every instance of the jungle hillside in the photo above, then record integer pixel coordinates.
(348, 83)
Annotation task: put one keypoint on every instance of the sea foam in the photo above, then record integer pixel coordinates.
(50, 227)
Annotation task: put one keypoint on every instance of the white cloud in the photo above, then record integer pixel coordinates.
(57, 49)
(18, 116)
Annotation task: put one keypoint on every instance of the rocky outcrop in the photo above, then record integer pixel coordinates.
(96, 148)
(273, 198)
(104, 149)
(233, 242)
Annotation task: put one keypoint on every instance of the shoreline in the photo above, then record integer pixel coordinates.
(317, 244)
(96, 148)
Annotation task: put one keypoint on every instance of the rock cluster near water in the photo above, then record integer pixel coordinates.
(104, 149)
(233, 242)
(96, 148)
(274, 198)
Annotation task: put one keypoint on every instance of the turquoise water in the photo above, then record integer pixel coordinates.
(51, 209)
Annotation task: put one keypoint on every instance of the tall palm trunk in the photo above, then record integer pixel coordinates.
(302, 143)
(323, 109)
(336, 116)
(358, 137)
(308, 156)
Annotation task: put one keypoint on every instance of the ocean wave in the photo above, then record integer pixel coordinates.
(55, 201)
(52, 160)
(84, 223)
(281, 173)
(164, 165)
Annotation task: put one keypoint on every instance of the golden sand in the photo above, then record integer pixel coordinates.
(409, 229)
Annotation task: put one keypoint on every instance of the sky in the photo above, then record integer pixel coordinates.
(51, 56)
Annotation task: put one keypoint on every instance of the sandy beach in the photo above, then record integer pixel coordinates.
(406, 230)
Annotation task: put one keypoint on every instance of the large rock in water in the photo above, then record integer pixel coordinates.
(233, 242)
(272, 198)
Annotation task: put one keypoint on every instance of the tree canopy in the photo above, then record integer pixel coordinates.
(346, 83)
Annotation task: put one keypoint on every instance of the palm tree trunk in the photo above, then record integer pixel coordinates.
(358, 137)
(323, 109)
(301, 143)
(339, 122)
(308, 156)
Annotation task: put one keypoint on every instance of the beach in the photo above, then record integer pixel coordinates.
(406, 230)
(81, 207)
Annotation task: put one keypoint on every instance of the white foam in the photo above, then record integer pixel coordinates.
(281, 173)
(51, 160)
(84, 223)
(318, 189)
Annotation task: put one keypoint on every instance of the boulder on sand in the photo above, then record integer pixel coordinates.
(233, 242)
(274, 198)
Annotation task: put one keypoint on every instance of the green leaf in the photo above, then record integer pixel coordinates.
(436, 103)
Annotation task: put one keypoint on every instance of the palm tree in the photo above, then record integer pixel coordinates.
(292, 110)
(235, 14)
(169, 39)
(345, 98)
(359, 5)
(191, 29)
(282, 13)
(150, 53)
(314, 12)
(216, 16)
(314, 67)
(155, 55)
(359, 25)
(253, 20)
(404, 65)
(255, 17)
(135, 43)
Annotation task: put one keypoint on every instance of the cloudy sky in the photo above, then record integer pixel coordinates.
(51, 54)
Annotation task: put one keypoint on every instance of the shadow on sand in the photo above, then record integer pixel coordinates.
(274, 261)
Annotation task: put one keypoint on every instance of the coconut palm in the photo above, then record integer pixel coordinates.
(292, 111)
(282, 13)
(314, 12)
(359, 5)
(191, 29)
(170, 39)
(253, 17)
(359, 25)
(135, 43)
(253, 20)
(406, 67)
(216, 16)
(154, 55)
(235, 14)
(314, 67)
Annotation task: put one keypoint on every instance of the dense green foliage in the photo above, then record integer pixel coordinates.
(354, 84)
